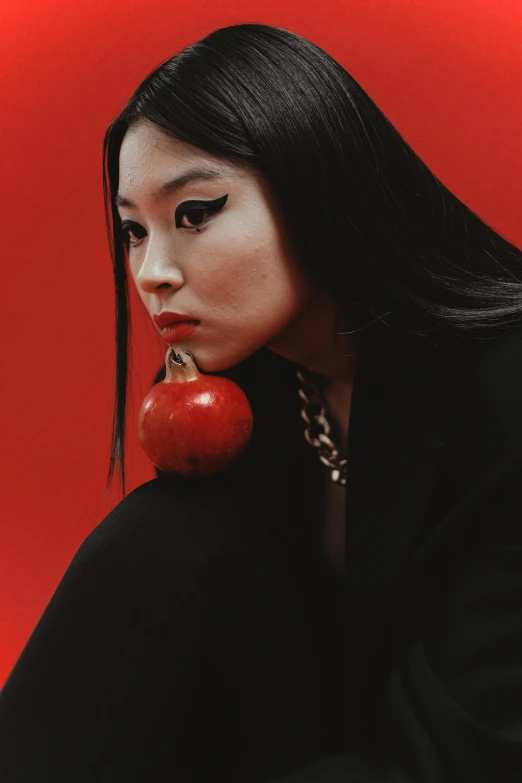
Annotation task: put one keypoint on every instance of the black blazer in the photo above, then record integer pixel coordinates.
(425, 634)
(434, 567)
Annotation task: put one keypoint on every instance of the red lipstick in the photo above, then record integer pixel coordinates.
(174, 326)
(178, 330)
(165, 318)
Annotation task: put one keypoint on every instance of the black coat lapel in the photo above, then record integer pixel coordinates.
(396, 442)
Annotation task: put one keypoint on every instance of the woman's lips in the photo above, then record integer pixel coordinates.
(178, 330)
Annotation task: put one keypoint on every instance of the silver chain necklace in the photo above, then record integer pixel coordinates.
(317, 420)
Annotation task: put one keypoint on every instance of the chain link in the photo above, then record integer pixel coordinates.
(318, 430)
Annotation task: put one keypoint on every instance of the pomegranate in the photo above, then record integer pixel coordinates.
(191, 423)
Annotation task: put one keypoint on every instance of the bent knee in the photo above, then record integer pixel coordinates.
(186, 522)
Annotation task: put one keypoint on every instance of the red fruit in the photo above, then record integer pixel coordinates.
(193, 424)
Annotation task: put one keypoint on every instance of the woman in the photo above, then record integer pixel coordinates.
(357, 617)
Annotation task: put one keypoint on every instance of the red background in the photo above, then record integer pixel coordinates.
(447, 74)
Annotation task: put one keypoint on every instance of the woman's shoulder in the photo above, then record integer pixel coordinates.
(143, 532)
(172, 525)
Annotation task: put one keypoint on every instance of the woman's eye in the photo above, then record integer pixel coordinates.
(195, 215)
(127, 229)
(193, 211)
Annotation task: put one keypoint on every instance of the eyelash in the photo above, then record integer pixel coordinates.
(182, 210)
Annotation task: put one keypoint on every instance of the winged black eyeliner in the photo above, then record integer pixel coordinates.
(216, 205)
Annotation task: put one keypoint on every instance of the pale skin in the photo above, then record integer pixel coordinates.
(237, 275)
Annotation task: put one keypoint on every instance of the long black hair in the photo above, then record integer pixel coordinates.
(368, 219)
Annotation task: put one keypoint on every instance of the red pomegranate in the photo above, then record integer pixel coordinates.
(191, 423)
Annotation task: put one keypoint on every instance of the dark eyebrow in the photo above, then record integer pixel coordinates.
(191, 175)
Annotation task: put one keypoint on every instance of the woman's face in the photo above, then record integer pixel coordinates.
(236, 275)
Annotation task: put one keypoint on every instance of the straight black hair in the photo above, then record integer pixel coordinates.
(369, 220)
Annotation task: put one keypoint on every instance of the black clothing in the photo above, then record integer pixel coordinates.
(198, 633)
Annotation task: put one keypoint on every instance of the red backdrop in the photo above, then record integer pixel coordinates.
(447, 74)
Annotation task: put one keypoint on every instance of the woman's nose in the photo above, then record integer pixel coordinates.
(158, 268)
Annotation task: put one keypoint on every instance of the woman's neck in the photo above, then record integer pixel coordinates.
(324, 347)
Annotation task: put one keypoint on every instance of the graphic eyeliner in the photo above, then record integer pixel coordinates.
(211, 206)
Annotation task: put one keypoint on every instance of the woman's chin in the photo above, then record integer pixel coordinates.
(214, 362)
(206, 362)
